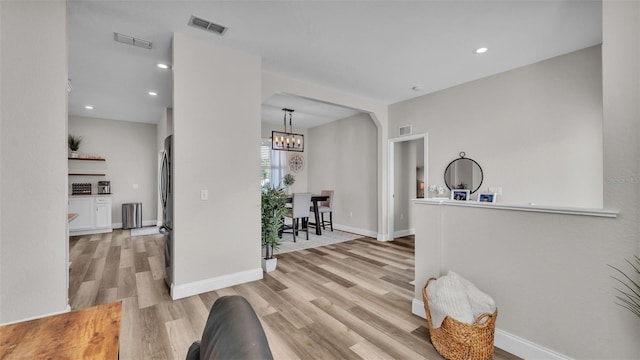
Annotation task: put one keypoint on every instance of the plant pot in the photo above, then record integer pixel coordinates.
(74, 154)
(268, 265)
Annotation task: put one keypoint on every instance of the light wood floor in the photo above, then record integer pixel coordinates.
(345, 301)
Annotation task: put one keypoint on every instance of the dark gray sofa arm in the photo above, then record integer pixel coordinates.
(232, 331)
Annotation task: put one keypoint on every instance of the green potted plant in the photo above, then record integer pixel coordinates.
(273, 211)
(288, 180)
(74, 145)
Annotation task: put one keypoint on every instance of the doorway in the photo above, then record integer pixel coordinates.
(407, 180)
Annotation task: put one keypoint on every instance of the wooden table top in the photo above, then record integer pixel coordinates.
(91, 333)
(71, 216)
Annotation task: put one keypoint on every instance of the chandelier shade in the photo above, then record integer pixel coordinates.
(287, 140)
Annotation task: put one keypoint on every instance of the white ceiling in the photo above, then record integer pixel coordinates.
(373, 49)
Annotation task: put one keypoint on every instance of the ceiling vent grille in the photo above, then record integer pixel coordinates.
(130, 40)
(207, 25)
(405, 130)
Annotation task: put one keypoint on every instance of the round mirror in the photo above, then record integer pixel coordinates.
(463, 173)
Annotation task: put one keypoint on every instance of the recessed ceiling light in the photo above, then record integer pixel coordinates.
(417, 87)
(481, 50)
(153, 93)
(88, 107)
(163, 66)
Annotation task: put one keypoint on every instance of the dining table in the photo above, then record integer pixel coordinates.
(314, 201)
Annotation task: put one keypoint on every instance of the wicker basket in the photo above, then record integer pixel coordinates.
(456, 340)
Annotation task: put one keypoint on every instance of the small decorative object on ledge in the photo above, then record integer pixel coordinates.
(287, 140)
(461, 195)
(90, 157)
(487, 197)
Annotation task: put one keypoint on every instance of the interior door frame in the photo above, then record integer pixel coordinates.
(392, 170)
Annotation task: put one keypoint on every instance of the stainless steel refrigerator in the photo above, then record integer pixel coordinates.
(166, 198)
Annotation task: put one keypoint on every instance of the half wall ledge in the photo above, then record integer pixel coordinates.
(516, 207)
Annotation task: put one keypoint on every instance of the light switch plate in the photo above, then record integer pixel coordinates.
(496, 190)
(204, 195)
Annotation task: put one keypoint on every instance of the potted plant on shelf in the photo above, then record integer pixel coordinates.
(74, 145)
(288, 180)
(273, 211)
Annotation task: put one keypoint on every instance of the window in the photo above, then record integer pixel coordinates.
(272, 164)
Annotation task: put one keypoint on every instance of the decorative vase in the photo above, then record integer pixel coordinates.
(74, 154)
(268, 265)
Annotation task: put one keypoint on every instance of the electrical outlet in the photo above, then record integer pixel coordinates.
(204, 195)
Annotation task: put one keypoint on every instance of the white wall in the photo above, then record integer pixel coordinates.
(1, 158)
(301, 183)
(548, 272)
(131, 159)
(341, 157)
(33, 160)
(548, 115)
(216, 95)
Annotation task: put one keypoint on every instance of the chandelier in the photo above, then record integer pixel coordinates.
(287, 140)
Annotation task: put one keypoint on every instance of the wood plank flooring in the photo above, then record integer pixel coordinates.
(350, 300)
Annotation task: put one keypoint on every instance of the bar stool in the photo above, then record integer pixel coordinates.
(326, 206)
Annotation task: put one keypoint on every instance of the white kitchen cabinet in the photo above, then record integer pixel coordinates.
(94, 214)
(103, 212)
(82, 206)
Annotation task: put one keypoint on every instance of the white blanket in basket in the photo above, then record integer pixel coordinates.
(454, 296)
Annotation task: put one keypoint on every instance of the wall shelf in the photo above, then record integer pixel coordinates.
(81, 172)
(518, 207)
(85, 159)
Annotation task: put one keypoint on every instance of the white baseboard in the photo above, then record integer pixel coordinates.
(66, 310)
(506, 341)
(405, 232)
(353, 230)
(203, 286)
(383, 237)
(89, 232)
(524, 348)
(144, 223)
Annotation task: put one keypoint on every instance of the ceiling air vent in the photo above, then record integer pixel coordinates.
(130, 40)
(405, 130)
(207, 25)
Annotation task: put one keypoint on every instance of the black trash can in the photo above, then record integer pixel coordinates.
(131, 215)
